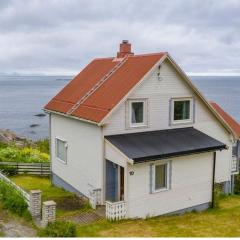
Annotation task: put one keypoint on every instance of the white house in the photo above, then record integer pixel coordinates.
(134, 133)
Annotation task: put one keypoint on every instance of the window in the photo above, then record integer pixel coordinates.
(137, 113)
(234, 150)
(182, 110)
(160, 177)
(61, 150)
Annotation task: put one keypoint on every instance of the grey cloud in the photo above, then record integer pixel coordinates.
(58, 35)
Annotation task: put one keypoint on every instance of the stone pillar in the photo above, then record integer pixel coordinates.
(35, 203)
(48, 212)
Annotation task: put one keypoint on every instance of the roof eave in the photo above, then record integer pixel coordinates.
(173, 155)
(70, 116)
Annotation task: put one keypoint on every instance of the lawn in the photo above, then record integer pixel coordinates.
(221, 222)
(67, 203)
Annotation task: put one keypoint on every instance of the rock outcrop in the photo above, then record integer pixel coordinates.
(8, 136)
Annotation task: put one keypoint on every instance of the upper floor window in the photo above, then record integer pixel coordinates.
(182, 110)
(61, 150)
(137, 110)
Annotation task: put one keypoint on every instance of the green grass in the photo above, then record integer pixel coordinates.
(51, 192)
(220, 222)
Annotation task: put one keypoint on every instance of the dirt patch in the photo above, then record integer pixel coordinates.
(70, 203)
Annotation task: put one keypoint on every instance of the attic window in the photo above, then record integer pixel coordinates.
(182, 110)
(137, 113)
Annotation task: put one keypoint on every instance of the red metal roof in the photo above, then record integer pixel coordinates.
(101, 101)
(227, 118)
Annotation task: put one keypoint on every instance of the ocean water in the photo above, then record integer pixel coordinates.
(22, 97)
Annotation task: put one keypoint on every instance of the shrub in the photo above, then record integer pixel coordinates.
(8, 170)
(12, 199)
(59, 229)
(237, 184)
(3, 145)
(26, 154)
(42, 145)
(218, 194)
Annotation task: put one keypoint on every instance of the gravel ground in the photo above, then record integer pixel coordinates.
(13, 228)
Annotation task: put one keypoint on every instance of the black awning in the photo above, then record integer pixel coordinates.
(147, 146)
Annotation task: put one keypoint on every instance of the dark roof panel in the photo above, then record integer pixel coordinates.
(146, 146)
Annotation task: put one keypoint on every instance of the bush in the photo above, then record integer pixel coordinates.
(43, 145)
(59, 229)
(3, 145)
(12, 199)
(237, 184)
(26, 154)
(8, 170)
(218, 194)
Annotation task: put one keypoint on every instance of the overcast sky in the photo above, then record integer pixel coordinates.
(61, 37)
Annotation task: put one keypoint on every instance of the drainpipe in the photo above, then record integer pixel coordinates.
(213, 179)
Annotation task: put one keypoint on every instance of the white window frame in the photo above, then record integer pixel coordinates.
(190, 120)
(235, 145)
(56, 152)
(154, 190)
(144, 123)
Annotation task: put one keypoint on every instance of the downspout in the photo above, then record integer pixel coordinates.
(213, 179)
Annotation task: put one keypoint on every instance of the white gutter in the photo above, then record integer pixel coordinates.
(70, 116)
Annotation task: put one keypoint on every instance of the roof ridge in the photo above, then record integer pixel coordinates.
(132, 55)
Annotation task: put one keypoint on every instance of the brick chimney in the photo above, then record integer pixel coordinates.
(125, 49)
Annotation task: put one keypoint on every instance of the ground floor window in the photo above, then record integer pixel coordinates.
(160, 177)
(61, 150)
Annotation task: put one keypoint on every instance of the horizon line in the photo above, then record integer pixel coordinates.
(197, 74)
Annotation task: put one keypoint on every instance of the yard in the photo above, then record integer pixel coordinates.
(222, 222)
(67, 203)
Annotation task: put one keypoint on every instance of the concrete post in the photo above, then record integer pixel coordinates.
(35, 203)
(48, 212)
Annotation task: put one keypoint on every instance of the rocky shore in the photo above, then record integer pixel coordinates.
(8, 136)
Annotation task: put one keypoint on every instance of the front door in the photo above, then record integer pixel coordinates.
(111, 181)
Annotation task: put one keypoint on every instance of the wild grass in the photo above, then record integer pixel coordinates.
(67, 203)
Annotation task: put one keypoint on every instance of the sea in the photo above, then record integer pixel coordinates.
(22, 99)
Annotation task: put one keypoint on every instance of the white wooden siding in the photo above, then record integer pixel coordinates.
(191, 185)
(159, 94)
(114, 155)
(84, 168)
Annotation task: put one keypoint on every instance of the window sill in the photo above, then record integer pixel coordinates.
(179, 122)
(160, 190)
(61, 161)
(138, 126)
